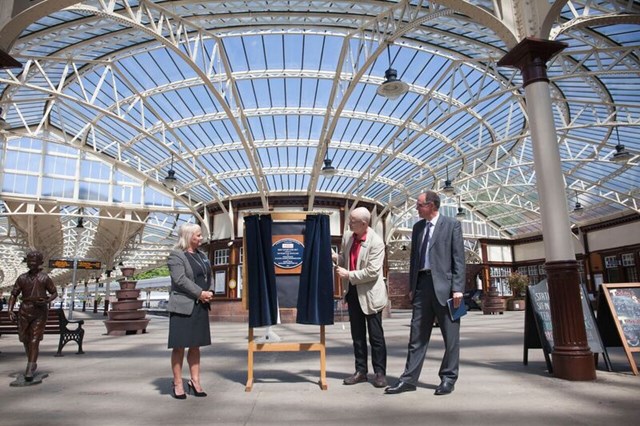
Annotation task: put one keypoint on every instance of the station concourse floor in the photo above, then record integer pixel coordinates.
(126, 380)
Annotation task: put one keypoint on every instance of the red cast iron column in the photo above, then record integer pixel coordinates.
(572, 359)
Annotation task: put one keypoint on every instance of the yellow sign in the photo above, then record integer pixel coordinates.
(89, 264)
(61, 263)
(68, 264)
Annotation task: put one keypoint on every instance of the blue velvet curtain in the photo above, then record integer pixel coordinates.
(315, 294)
(263, 294)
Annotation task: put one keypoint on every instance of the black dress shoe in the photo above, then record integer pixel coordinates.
(192, 389)
(176, 395)
(380, 381)
(358, 377)
(400, 387)
(445, 388)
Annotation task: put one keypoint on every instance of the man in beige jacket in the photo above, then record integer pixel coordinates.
(360, 267)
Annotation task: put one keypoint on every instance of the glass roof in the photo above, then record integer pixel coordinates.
(247, 98)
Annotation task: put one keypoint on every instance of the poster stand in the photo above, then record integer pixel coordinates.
(619, 318)
(538, 328)
(253, 346)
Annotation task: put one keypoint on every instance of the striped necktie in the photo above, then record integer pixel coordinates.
(423, 247)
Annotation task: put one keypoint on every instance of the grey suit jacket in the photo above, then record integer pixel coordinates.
(446, 257)
(367, 277)
(184, 291)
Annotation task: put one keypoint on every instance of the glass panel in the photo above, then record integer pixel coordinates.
(221, 257)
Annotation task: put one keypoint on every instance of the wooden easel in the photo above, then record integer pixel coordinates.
(282, 346)
(287, 347)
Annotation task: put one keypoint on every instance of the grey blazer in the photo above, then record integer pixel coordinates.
(184, 291)
(446, 257)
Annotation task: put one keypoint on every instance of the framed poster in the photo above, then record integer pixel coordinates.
(219, 282)
(622, 308)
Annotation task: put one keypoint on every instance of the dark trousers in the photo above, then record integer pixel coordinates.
(359, 322)
(425, 309)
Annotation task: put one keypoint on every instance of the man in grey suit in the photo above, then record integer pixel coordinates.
(436, 273)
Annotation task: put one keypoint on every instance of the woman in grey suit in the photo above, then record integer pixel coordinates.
(188, 307)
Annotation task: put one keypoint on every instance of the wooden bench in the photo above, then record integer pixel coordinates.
(56, 324)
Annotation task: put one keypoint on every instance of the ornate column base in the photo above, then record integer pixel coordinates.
(573, 364)
(572, 359)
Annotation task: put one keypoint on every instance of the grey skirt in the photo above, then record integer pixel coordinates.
(186, 331)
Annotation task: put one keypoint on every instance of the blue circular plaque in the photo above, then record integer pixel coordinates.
(287, 253)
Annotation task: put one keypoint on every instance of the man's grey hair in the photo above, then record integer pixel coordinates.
(361, 213)
(433, 197)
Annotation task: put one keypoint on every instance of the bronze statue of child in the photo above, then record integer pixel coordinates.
(37, 290)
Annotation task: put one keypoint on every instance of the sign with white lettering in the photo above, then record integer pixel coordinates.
(539, 327)
(287, 253)
(619, 318)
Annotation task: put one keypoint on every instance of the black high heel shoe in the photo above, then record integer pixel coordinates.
(192, 389)
(175, 395)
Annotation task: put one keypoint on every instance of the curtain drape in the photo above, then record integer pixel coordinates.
(263, 294)
(315, 294)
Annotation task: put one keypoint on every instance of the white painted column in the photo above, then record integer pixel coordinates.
(558, 244)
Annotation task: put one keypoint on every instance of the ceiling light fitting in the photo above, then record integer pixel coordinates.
(392, 88)
(80, 223)
(578, 210)
(621, 155)
(327, 170)
(170, 181)
(448, 189)
(461, 214)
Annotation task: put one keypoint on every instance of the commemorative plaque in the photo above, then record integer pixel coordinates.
(287, 253)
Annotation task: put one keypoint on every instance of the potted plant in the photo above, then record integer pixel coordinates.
(127, 271)
(517, 284)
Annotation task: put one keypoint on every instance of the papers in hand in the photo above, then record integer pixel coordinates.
(454, 313)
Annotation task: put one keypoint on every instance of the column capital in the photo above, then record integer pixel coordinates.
(530, 57)
(8, 61)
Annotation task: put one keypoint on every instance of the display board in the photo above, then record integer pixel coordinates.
(619, 309)
(538, 331)
(287, 249)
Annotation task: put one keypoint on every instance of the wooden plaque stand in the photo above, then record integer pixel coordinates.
(282, 346)
(287, 347)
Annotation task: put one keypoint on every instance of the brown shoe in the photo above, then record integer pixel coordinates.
(380, 381)
(358, 377)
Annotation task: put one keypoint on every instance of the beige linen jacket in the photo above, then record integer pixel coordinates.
(367, 277)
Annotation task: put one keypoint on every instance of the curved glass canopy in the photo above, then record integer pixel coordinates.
(247, 99)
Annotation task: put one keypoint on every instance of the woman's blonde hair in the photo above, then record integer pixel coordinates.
(185, 232)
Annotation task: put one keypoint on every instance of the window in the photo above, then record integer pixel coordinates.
(630, 271)
(499, 279)
(221, 257)
(535, 273)
(627, 259)
(583, 277)
(610, 262)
